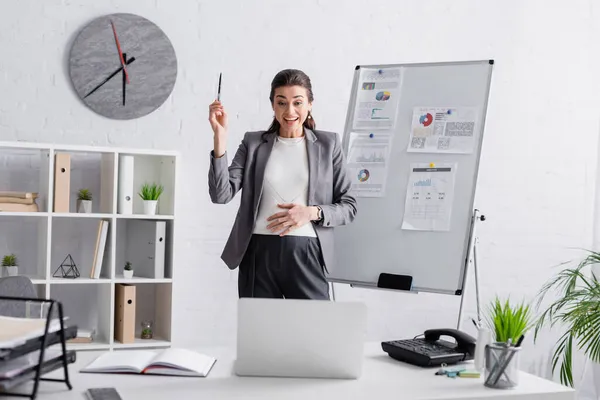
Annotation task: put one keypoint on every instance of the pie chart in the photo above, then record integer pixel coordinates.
(426, 119)
(383, 96)
(363, 175)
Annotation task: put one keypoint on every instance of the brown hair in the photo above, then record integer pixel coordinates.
(292, 77)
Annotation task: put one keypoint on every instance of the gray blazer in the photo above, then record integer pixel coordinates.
(329, 187)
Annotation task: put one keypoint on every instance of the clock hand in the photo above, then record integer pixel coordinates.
(124, 79)
(119, 50)
(132, 59)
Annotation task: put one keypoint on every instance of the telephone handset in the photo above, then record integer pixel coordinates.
(464, 341)
(432, 350)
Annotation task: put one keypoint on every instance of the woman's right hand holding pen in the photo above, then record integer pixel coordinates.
(218, 122)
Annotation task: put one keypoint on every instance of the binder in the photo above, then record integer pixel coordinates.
(101, 237)
(146, 247)
(125, 200)
(125, 313)
(62, 182)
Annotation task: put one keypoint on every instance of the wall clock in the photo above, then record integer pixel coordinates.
(122, 66)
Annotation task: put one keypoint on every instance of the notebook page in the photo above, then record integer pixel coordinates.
(184, 359)
(121, 361)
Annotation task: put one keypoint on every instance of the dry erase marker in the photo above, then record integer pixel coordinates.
(219, 90)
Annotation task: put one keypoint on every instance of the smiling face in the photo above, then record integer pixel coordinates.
(291, 106)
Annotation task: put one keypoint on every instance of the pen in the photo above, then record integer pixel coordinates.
(219, 92)
(475, 323)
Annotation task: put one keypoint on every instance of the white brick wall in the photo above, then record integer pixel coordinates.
(538, 168)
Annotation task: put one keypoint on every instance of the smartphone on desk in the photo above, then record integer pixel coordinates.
(103, 394)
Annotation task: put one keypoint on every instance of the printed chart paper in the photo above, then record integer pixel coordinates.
(368, 163)
(429, 197)
(377, 98)
(443, 130)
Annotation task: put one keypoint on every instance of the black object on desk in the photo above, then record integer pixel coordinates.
(107, 393)
(41, 343)
(431, 350)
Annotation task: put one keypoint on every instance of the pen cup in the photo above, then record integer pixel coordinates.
(501, 366)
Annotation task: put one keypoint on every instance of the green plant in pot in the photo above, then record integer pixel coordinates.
(508, 324)
(577, 310)
(128, 270)
(150, 194)
(508, 321)
(10, 265)
(84, 201)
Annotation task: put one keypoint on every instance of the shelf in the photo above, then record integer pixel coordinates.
(43, 240)
(23, 214)
(78, 281)
(77, 237)
(88, 307)
(25, 236)
(26, 170)
(139, 169)
(146, 245)
(93, 171)
(139, 343)
(136, 279)
(81, 215)
(144, 216)
(102, 345)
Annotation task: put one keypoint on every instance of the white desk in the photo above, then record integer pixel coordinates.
(383, 378)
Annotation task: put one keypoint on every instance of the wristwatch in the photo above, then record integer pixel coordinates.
(319, 213)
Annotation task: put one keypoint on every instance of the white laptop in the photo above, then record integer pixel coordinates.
(300, 338)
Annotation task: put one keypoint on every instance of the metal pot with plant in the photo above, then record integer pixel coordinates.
(577, 310)
(150, 194)
(128, 270)
(84, 201)
(508, 324)
(10, 264)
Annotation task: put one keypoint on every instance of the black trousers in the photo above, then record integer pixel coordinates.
(289, 267)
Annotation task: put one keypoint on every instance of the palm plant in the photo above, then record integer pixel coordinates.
(577, 307)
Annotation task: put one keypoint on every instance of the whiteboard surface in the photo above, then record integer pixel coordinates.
(375, 243)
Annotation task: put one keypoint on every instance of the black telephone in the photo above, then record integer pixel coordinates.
(431, 350)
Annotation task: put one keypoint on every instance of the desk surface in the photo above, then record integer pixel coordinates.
(382, 378)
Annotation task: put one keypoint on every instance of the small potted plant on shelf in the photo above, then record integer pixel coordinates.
(128, 270)
(84, 201)
(9, 262)
(150, 194)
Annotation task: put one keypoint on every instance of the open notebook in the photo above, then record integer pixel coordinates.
(179, 362)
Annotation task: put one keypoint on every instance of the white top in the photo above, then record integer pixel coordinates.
(285, 181)
(382, 378)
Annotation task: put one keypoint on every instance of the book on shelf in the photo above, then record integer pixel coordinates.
(16, 200)
(173, 361)
(101, 235)
(16, 207)
(18, 195)
(83, 336)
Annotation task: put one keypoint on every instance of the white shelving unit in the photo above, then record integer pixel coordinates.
(42, 240)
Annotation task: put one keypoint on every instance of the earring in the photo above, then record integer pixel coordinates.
(309, 116)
